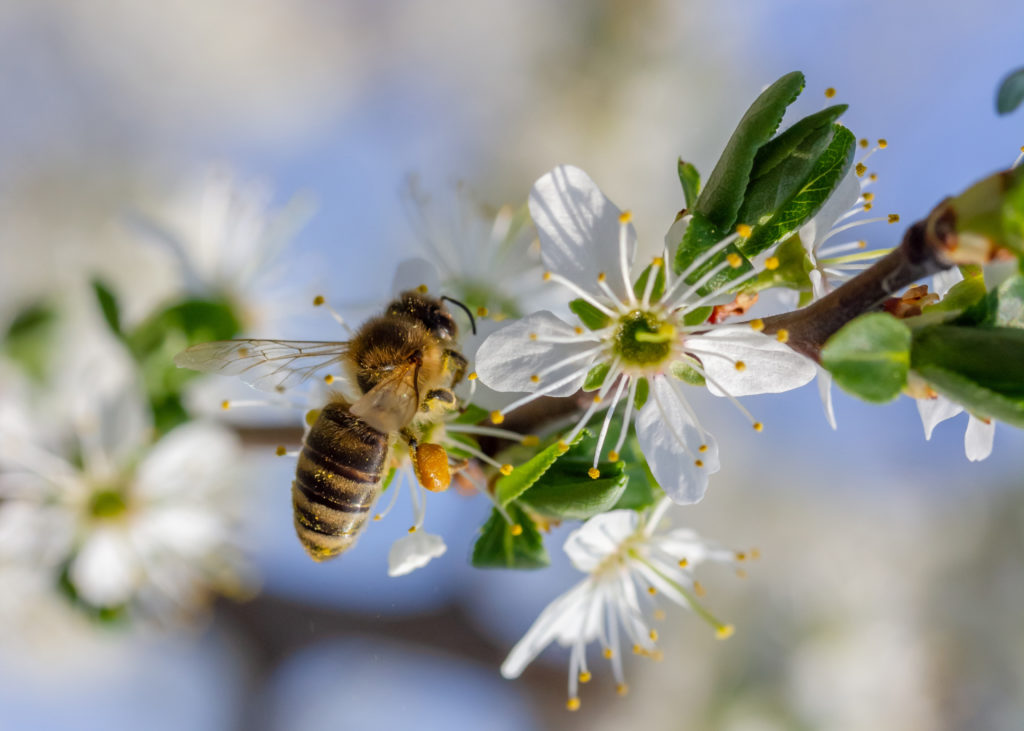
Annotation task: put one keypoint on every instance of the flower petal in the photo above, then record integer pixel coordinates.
(769, 366)
(509, 357)
(599, 537)
(671, 443)
(195, 459)
(945, 279)
(564, 619)
(413, 273)
(825, 390)
(936, 410)
(106, 571)
(414, 551)
(978, 438)
(579, 229)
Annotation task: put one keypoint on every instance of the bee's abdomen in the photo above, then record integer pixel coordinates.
(337, 481)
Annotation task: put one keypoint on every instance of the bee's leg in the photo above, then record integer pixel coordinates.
(439, 400)
(455, 362)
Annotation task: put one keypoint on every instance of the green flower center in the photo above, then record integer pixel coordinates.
(644, 339)
(107, 503)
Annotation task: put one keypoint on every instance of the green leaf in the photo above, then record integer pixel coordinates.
(472, 414)
(793, 271)
(686, 373)
(1010, 307)
(689, 178)
(591, 317)
(388, 480)
(1011, 92)
(790, 142)
(498, 548)
(990, 212)
(827, 172)
(658, 288)
(510, 487)
(700, 236)
(961, 296)
(30, 338)
(722, 196)
(981, 368)
(567, 492)
(642, 389)
(870, 357)
(108, 306)
(642, 490)
(697, 316)
(595, 376)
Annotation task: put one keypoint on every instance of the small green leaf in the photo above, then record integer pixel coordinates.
(498, 548)
(700, 236)
(595, 376)
(793, 271)
(29, 339)
(642, 389)
(689, 178)
(642, 490)
(979, 367)
(657, 289)
(388, 480)
(591, 317)
(722, 196)
(567, 492)
(686, 373)
(1010, 308)
(510, 487)
(870, 356)
(697, 316)
(789, 143)
(961, 296)
(1011, 92)
(108, 306)
(472, 414)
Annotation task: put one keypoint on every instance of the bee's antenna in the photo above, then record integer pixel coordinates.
(472, 321)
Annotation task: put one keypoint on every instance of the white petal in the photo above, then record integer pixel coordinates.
(945, 279)
(978, 438)
(770, 366)
(105, 572)
(412, 273)
(507, 359)
(194, 459)
(414, 551)
(675, 233)
(842, 200)
(579, 228)
(825, 390)
(564, 619)
(671, 443)
(599, 537)
(188, 531)
(936, 410)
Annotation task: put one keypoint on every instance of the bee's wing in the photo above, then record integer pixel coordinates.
(392, 403)
(269, 365)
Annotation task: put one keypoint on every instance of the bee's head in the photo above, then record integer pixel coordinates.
(430, 311)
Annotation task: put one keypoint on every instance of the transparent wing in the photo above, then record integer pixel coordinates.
(392, 403)
(269, 365)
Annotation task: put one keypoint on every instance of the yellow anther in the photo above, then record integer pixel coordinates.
(578, 330)
(472, 376)
(744, 230)
(683, 563)
(225, 404)
(741, 573)
(328, 379)
(573, 704)
(782, 335)
(594, 473)
(868, 206)
(412, 529)
(735, 260)
(658, 262)
(883, 143)
(597, 399)
(516, 530)
(563, 447)
(622, 689)
(482, 312)
(535, 378)
(506, 469)
(830, 92)
(757, 325)
(637, 649)
(873, 177)
(652, 591)
(702, 448)
(758, 426)
(318, 300)
(657, 656)
(653, 634)
(869, 196)
(860, 169)
(862, 244)
(422, 289)
(377, 516)
(698, 589)
(243, 352)
(893, 218)
(613, 456)
(863, 142)
(280, 451)
(625, 217)
(725, 631)
(771, 263)
(755, 553)
(497, 417)
(741, 366)
(698, 462)
(741, 556)
(547, 276)
(659, 614)
(607, 652)
(530, 440)
(601, 276)
(585, 677)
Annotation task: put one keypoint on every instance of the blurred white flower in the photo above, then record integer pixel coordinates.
(627, 561)
(641, 342)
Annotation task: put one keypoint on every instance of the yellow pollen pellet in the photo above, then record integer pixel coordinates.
(225, 404)
(482, 312)
(698, 462)
(613, 456)
(702, 448)
(830, 92)
(585, 677)
(328, 378)
(741, 366)
(863, 142)
(594, 473)
(547, 276)
(622, 689)
(422, 289)
(530, 440)
(758, 426)
(683, 563)
(497, 417)
(869, 196)
(506, 469)
(651, 590)
(318, 300)
(601, 277)
(883, 143)
(873, 177)
(535, 378)
(412, 529)
(782, 335)
(771, 263)
(868, 206)
(472, 376)
(573, 704)
(625, 217)
(741, 573)
(280, 451)
(658, 262)
(578, 330)
(725, 632)
(757, 325)
(744, 230)
(698, 589)
(516, 530)
(894, 218)
(653, 635)
(607, 653)
(860, 169)
(735, 260)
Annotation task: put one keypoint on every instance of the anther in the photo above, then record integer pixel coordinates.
(741, 556)
(318, 300)
(659, 614)
(243, 352)
(702, 448)
(869, 196)
(868, 206)
(472, 376)
(652, 591)
(563, 447)
(758, 426)
(860, 169)
(225, 404)
(893, 218)
(755, 553)
(412, 529)
(830, 92)
(482, 312)
(607, 653)
(506, 469)
(873, 177)
(725, 632)
(613, 456)
(658, 262)
(653, 634)
(594, 473)
(422, 289)
(744, 230)
(622, 689)
(698, 589)
(497, 417)
(530, 440)
(771, 263)
(377, 516)
(862, 244)
(601, 277)
(782, 335)
(535, 378)
(637, 649)
(757, 325)
(533, 336)
(741, 366)
(740, 573)
(280, 451)
(516, 530)
(683, 563)
(585, 677)
(578, 330)
(328, 379)
(597, 399)
(883, 143)
(698, 462)
(573, 704)
(735, 260)
(625, 217)
(547, 276)
(863, 142)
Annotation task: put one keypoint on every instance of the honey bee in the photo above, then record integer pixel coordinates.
(403, 362)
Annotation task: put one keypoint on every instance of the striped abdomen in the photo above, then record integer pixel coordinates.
(337, 481)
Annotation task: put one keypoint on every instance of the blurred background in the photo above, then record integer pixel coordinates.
(890, 590)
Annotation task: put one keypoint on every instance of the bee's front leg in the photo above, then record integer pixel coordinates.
(455, 362)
